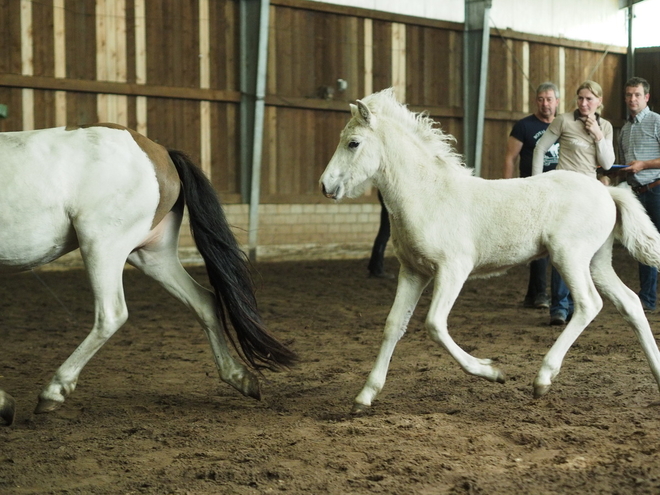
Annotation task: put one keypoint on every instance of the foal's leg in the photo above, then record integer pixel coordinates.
(574, 269)
(448, 284)
(105, 265)
(628, 304)
(159, 259)
(408, 292)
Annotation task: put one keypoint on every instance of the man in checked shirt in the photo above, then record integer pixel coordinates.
(639, 149)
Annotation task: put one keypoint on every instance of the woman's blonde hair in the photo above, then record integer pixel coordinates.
(595, 89)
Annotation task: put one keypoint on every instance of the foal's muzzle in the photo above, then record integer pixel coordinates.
(326, 193)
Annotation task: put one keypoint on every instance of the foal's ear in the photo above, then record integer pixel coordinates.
(362, 113)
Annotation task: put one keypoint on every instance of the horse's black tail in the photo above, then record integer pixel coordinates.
(228, 270)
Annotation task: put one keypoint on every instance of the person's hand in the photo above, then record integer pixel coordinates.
(592, 127)
(634, 167)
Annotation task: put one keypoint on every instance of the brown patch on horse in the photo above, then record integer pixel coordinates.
(169, 183)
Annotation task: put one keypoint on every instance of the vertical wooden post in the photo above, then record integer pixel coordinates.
(111, 58)
(27, 66)
(205, 82)
(140, 64)
(101, 63)
(59, 56)
(368, 57)
(562, 79)
(511, 101)
(525, 68)
(399, 60)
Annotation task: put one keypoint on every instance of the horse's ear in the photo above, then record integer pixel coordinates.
(365, 114)
(354, 110)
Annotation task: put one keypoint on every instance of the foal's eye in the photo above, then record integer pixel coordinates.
(353, 144)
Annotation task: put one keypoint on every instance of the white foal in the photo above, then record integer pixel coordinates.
(448, 225)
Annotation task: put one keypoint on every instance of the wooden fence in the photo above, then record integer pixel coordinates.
(169, 68)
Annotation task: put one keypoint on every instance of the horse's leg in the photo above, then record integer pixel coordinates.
(574, 269)
(627, 303)
(159, 260)
(448, 284)
(7, 407)
(105, 265)
(408, 292)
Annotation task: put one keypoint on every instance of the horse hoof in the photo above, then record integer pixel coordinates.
(252, 387)
(249, 386)
(254, 390)
(7, 408)
(359, 409)
(541, 390)
(46, 406)
(500, 378)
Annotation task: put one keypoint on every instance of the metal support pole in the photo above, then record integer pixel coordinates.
(253, 89)
(476, 47)
(483, 81)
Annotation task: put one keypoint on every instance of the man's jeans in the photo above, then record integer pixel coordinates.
(648, 275)
(562, 302)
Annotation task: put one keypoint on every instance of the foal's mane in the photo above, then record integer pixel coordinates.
(385, 104)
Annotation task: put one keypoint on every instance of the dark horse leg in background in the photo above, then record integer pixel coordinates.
(376, 262)
(7, 407)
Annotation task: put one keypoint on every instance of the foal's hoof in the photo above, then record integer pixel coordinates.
(7, 407)
(359, 409)
(47, 405)
(500, 377)
(541, 390)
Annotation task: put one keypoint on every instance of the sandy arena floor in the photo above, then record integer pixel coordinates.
(150, 416)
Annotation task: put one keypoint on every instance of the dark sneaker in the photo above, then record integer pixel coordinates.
(648, 309)
(542, 301)
(557, 320)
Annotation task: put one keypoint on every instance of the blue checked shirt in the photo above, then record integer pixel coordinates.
(640, 140)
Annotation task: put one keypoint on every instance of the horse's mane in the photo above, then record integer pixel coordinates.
(385, 104)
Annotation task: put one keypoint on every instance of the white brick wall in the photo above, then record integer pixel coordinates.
(295, 231)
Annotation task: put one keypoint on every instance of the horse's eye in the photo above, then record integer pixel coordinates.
(353, 144)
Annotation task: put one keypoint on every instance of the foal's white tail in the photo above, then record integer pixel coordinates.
(634, 229)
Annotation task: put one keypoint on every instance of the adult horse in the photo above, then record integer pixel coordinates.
(119, 197)
(448, 225)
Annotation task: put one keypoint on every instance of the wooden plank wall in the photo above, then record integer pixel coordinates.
(164, 67)
(169, 69)
(311, 47)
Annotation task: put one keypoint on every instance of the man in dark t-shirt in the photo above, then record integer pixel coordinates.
(522, 140)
